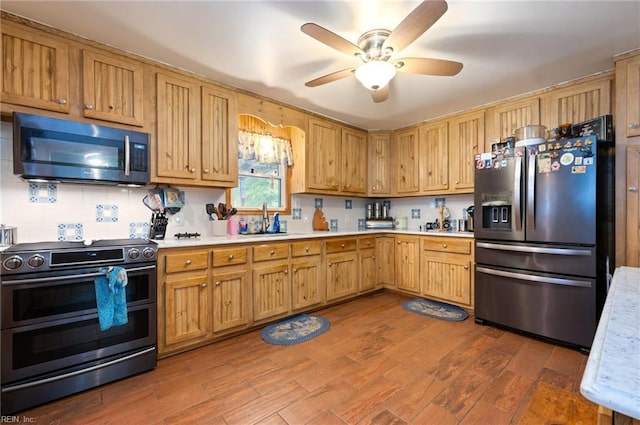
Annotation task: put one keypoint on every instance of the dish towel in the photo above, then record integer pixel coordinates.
(111, 297)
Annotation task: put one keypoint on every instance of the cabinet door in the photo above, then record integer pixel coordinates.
(632, 91)
(385, 254)
(447, 277)
(271, 290)
(178, 153)
(35, 69)
(434, 157)
(186, 308)
(324, 165)
(511, 116)
(406, 156)
(219, 136)
(354, 161)
(380, 164)
(633, 206)
(368, 270)
(113, 88)
(230, 300)
(342, 275)
(577, 103)
(466, 138)
(408, 263)
(306, 279)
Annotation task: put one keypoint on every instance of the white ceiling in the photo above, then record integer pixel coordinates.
(507, 47)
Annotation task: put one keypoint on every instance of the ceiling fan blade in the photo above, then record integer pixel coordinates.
(415, 24)
(380, 95)
(330, 77)
(331, 39)
(428, 66)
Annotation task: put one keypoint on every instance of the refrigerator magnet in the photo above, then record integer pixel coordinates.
(578, 169)
(566, 159)
(544, 163)
(555, 166)
(578, 160)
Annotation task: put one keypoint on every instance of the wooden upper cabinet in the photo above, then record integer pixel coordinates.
(219, 136)
(354, 153)
(178, 153)
(380, 163)
(406, 154)
(577, 103)
(629, 85)
(35, 69)
(112, 88)
(323, 156)
(466, 139)
(434, 157)
(510, 116)
(633, 206)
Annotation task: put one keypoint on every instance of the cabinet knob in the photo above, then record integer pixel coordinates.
(330, 264)
(295, 270)
(457, 181)
(193, 170)
(218, 283)
(632, 189)
(444, 245)
(373, 257)
(306, 248)
(188, 262)
(204, 285)
(272, 252)
(111, 107)
(466, 267)
(206, 171)
(634, 125)
(230, 257)
(62, 101)
(286, 271)
(341, 245)
(444, 183)
(88, 106)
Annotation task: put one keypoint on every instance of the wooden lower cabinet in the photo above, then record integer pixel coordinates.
(186, 309)
(407, 263)
(271, 283)
(385, 261)
(368, 268)
(306, 274)
(341, 268)
(230, 299)
(447, 270)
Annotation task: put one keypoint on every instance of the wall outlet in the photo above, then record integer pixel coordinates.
(178, 219)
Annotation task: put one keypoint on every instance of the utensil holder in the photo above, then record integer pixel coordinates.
(219, 227)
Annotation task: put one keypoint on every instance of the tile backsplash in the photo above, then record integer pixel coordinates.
(49, 211)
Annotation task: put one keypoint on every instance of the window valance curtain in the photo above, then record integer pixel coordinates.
(264, 148)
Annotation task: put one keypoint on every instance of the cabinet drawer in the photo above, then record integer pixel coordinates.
(274, 251)
(229, 256)
(341, 245)
(299, 249)
(447, 245)
(187, 261)
(367, 243)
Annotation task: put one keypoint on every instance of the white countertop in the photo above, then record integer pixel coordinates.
(612, 375)
(172, 242)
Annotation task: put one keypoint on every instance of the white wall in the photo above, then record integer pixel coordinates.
(44, 212)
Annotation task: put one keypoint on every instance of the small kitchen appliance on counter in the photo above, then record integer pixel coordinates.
(377, 217)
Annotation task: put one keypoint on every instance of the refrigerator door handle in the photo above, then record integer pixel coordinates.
(517, 194)
(531, 193)
(534, 278)
(535, 250)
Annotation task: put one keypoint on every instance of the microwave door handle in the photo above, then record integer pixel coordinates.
(517, 194)
(127, 156)
(531, 193)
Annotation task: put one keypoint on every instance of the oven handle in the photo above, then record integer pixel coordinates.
(11, 388)
(534, 278)
(56, 278)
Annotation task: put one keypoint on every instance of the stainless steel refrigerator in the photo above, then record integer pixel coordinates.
(544, 234)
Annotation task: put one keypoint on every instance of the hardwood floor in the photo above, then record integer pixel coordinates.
(377, 364)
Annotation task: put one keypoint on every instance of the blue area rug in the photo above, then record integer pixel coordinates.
(435, 309)
(295, 330)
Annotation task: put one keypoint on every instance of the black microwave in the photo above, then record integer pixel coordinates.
(46, 148)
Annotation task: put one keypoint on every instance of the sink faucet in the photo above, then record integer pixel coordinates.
(265, 218)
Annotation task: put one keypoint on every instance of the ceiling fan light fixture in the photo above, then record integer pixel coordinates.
(375, 75)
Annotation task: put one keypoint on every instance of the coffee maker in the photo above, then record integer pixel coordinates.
(377, 217)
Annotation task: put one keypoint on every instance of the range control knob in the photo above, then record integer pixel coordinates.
(148, 253)
(133, 254)
(13, 263)
(36, 261)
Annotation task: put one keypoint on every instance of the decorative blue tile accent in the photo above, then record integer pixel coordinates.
(70, 232)
(283, 225)
(440, 201)
(297, 214)
(106, 213)
(46, 193)
(333, 224)
(139, 230)
(347, 204)
(318, 202)
(415, 213)
(387, 203)
(361, 224)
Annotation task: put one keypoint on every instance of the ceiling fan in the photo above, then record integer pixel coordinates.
(377, 47)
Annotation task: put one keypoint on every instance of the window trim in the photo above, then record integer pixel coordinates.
(286, 210)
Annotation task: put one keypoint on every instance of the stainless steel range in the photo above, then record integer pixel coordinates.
(52, 343)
